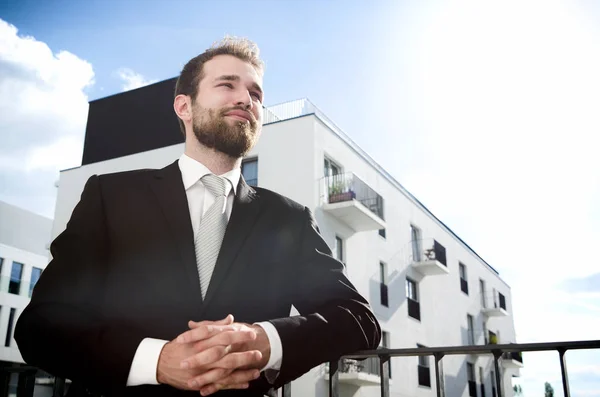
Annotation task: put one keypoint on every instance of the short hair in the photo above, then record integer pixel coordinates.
(192, 73)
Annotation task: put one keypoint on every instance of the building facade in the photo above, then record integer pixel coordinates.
(426, 286)
(24, 238)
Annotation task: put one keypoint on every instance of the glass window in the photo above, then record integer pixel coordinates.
(423, 360)
(482, 293)
(415, 235)
(463, 271)
(383, 272)
(9, 331)
(470, 372)
(411, 290)
(471, 331)
(250, 171)
(15, 278)
(382, 232)
(339, 249)
(35, 276)
(330, 168)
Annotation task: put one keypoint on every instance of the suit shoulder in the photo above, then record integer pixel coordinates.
(277, 199)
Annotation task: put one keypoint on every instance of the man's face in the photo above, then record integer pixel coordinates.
(227, 112)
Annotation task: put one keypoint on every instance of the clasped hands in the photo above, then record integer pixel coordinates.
(214, 355)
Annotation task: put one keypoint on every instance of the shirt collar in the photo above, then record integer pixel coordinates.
(192, 171)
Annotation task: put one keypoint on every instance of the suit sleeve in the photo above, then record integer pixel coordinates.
(63, 329)
(334, 318)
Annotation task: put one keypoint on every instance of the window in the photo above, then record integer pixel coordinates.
(1, 262)
(481, 382)
(415, 236)
(383, 284)
(464, 284)
(470, 330)
(485, 332)
(502, 301)
(339, 249)
(482, 293)
(382, 232)
(330, 168)
(412, 296)
(471, 380)
(423, 370)
(385, 342)
(9, 330)
(35, 276)
(15, 278)
(250, 171)
(383, 272)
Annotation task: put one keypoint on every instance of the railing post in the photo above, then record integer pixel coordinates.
(497, 355)
(334, 379)
(439, 375)
(563, 371)
(4, 381)
(286, 390)
(384, 373)
(59, 387)
(26, 383)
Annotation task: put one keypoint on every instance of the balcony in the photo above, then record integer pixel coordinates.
(353, 202)
(428, 257)
(360, 373)
(495, 306)
(512, 360)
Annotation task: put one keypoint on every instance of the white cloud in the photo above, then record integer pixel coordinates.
(133, 80)
(44, 109)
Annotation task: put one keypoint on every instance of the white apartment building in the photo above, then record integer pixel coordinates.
(24, 237)
(426, 286)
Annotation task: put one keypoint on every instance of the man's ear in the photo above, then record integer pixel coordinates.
(183, 107)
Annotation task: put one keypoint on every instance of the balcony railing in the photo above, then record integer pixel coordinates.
(26, 375)
(427, 256)
(347, 187)
(494, 304)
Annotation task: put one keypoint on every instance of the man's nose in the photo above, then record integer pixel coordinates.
(245, 100)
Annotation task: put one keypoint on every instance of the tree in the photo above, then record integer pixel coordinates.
(549, 391)
(518, 390)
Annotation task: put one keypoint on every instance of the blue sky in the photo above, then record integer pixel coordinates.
(487, 112)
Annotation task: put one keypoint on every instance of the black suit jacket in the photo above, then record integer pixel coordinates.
(125, 269)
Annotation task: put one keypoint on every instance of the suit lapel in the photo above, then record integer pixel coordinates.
(245, 211)
(167, 185)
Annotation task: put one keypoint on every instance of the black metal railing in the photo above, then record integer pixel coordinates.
(383, 291)
(427, 250)
(517, 356)
(414, 309)
(464, 286)
(502, 301)
(440, 252)
(347, 187)
(381, 356)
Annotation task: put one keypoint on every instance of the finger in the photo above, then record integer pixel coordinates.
(206, 358)
(226, 321)
(213, 388)
(238, 379)
(208, 377)
(226, 338)
(202, 332)
(248, 359)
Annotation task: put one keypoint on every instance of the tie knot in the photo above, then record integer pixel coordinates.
(215, 184)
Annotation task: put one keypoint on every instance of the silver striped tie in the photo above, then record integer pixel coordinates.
(211, 231)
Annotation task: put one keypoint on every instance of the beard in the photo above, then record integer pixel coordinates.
(213, 131)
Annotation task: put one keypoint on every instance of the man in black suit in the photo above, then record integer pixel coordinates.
(147, 251)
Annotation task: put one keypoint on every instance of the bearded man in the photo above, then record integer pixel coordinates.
(176, 281)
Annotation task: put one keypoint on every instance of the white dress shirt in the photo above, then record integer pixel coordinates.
(145, 362)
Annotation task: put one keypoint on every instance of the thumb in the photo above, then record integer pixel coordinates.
(226, 321)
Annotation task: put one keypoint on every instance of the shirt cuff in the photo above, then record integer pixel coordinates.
(276, 348)
(145, 362)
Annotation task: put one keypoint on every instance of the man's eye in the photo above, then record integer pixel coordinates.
(256, 95)
(226, 85)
